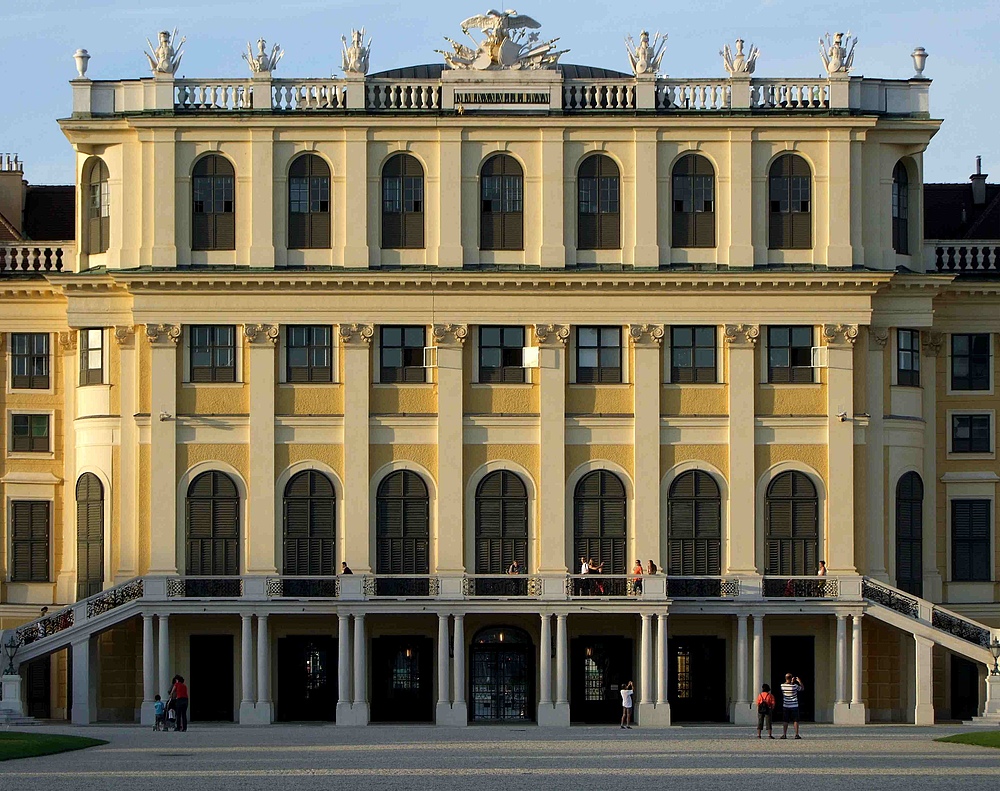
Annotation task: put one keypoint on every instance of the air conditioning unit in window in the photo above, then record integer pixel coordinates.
(820, 357)
(530, 357)
(430, 357)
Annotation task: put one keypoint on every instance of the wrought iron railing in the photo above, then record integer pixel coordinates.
(602, 585)
(205, 587)
(801, 587)
(302, 587)
(702, 587)
(115, 597)
(958, 626)
(400, 585)
(501, 585)
(890, 597)
(46, 626)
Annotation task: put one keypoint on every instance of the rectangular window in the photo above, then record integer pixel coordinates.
(908, 358)
(91, 357)
(501, 354)
(402, 354)
(308, 354)
(692, 354)
(29, 541)
(213, 353)
(29, 433)
(29, 360)
(971, 434)
(598, 355)
(789, 354)
(970, 541)
(970, 361)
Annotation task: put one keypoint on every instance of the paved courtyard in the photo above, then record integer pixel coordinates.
(324, 757)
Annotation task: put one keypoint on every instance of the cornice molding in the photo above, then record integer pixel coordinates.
(840, 334)
(742, 334)
(552, 334)
(260, 333)
(450, 334)
(646, 334)
(163, 333)
(354, 334)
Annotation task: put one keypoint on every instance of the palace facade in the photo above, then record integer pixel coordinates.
(428, 323)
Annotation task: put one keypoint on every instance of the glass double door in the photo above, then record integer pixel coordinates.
(502, 683)
(307, 678)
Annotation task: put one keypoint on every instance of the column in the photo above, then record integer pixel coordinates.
(444, 671)
(447, 542)
(163, 655)
(261, 339)
(146, 714)
(343, 669)
(552, 339)
(562, 672)
(545, 667)
(163, 340)
(354, 227)
(246, 669)
(128, 542)
(645, 698)
(739, 193)
(646, 251)
(65, 562)
(874, 448)
(86, 682)
(841, 669)
(923, 709)
(646, 340)
(931, 346)
(743, 711)
(857, 666)
(552, 245)
(662, 630)
(360, 708)
(741, 340)
(758, 653)
(459, 710)
(355, 340)
(262, 713)
(840, 446)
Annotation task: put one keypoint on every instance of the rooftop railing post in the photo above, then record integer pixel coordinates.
(159, 92)
(840, 91)
(740, 87)
(82, 89)
(261, 92)
(645, 92)
(357, 89)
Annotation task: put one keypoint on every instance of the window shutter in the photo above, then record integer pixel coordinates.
(298, 230)
(587, 237)
(225, 231)
(202, 236)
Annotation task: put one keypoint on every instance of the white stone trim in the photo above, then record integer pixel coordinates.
(992, 454)
(183, 482)
(761, 494)
(797, 430)
(573, 478)
(335, 344)
(403, 429)
(470, 510)
(28, 455)
(213, 429)
(712, 430)
(429, 481)
(667, 481)
(279, 502)
(9, 353)
(309, 430)
(501, 430)
(595, 430)
(238, 344)
(947, 370)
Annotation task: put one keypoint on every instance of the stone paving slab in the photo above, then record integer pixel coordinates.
(311, 757)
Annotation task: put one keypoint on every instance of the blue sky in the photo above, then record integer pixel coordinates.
(40, 36)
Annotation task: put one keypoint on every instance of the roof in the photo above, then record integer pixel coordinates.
(8, 233)
(50, 213)
(949, 212)
(432, 71)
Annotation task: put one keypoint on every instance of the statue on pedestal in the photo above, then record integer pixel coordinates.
(163, 58)
(645, 57)
(262, 62)
(355, 56)
(838, 55)
(738, 64)
(505, 46)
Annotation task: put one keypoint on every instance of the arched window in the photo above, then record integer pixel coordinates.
(501, 223)
(402, 525)
(213, 526)
(310, 533)
(308, 203)
(98, 208)
(213, 221)
(791, 513)
(694, 202)
(900, 209)
(790, 196)
(909, 534)
(694, 525)
(89, 536)
(402, 203)
(501, 523)
(599, 520)
(598, 212)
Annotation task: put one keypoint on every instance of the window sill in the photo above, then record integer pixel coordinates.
(953, 456)
(619, 385)
(969, 393)
(308, 385)
(689, 385)
(36, 455)
(495, 385)
(93, 384)
(30, 391)
(908, 387)
(213, 385)
(401, 385)
(790, 385)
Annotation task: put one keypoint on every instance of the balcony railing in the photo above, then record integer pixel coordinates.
(501, 586)
(968, 257)
(602, 585)
(400, 585)
(302, 587)
(801, 587)
(960, 627)
(205, 587)
(702, 587)
(891, 598)
(29, 259)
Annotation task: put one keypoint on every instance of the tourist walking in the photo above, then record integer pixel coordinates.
(765, 709)
(179, 695)
(790, 692)
(627, 691)
(160, 712)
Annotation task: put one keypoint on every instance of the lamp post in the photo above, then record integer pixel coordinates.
(10, 649)
(995, 650)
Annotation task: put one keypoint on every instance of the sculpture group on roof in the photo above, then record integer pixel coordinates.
(506, 44)
(262, 63)
(736, 63)
(355, 55)
(163, 58)
(645, 57)
(838, 55)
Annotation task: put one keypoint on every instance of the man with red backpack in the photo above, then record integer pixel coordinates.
(765, 707)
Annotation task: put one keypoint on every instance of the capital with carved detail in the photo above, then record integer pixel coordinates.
(356, 333)
(552, 334)
(124, 333)
(67, 340)
(878, 337)
(163, 333)
(742, 334)
(258, 333)
(450, 334)
(932, 342)
(646, 334)
(840, 334)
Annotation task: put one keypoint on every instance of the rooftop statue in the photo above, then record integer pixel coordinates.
(355, 59)
(838, 55)
(506, 44)
(738, 63)
(645, 57)
(262, 62)
(163, 58)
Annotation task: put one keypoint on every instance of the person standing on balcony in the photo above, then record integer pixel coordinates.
(790, 702)
(344, 568)
(651, 568)
(637, 578)
(514, 568)
(821, 572)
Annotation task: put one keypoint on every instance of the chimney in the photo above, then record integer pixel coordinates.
(978, 184)
(12, 190)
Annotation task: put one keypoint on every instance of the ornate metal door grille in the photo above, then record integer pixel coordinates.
(501, 684)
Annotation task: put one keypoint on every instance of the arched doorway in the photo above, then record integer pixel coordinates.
(89, 536)
(909, 534)
(502, 677)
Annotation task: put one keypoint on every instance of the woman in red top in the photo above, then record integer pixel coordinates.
(179, 695)
(765, 707)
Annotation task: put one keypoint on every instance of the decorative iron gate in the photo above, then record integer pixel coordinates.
(502, 677)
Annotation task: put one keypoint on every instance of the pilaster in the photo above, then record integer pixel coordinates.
(743, 712)
(355, 341)
(355, 211)
(448, 339)
(459, 708)
(552, 339)
(261, 523)
(838, 251)
(741, 340)
(747, 238)
(646, 341)
(552, 245)
(343, 669)
(147, 716)
(878, 337)
(246, 669)
(261, 214)
(645, 250)
(448, 227)
(159, 201)
(163, 340)
(923, 710)
(931, 343)
(840, 340)
(128, 475)
(65, 566)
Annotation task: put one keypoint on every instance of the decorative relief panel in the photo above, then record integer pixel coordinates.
(553, 334)
(840, 334)
(742, 334)
(450, 334)
(163, 333)
(646, 334)
(356, 333)
(258, 333)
